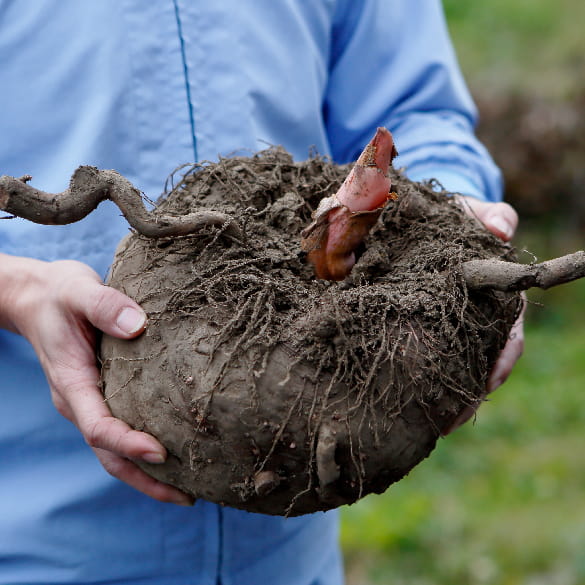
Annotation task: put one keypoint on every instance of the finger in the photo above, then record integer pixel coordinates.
(461, 419)
(511, 353)
(106, 308)
(508, 357)
(112, 434)
(91, 415)
(130, 473)
(499, 218)
(504, 366)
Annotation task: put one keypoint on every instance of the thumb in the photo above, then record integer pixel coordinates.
(499, 218)
(108, 309)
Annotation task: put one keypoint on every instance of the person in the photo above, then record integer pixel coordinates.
(143, 87)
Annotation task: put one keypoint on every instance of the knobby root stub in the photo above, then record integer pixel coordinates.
(276, 392)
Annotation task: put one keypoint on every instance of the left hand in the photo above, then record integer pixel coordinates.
(58, 306)
(502, 220)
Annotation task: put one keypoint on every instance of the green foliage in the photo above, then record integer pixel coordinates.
(520, 44)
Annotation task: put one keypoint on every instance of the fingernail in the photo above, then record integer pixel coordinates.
(153, 457)
(131, 320)
(502, 226)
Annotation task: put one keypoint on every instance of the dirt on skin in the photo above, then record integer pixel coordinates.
(279, 393)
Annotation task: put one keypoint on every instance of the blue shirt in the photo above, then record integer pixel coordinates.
(143, 87)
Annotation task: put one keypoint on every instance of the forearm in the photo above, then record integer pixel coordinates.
(414, 87)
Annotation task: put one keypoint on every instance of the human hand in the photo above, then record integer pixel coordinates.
(502, 220)
(58, 306)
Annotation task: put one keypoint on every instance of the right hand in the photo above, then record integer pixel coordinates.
(501, 220)
(58, 306)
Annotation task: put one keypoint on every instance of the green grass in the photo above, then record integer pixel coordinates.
(520, 44)
(501, 501)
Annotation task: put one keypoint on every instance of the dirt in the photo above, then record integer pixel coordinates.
(279, 393)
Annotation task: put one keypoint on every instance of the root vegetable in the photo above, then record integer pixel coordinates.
(272, 390)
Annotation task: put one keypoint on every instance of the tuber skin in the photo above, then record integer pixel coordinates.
(342, 221)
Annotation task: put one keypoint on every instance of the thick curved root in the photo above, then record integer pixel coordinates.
(90, 186)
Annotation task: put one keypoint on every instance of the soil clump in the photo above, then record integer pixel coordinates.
(279, 393)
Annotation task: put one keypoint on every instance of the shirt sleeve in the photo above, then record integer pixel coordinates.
(392, 64)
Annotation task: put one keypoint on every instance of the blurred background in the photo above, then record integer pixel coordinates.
(502, 500)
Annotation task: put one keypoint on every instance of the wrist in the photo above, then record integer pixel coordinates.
(17, 278)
